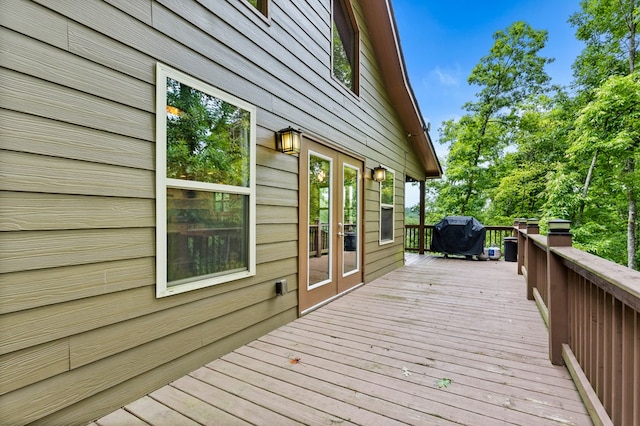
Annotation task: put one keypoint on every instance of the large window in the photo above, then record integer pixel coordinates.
(387, 211)
(345, 45)
(205, 185)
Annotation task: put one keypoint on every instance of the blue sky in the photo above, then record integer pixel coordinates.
(443, 40)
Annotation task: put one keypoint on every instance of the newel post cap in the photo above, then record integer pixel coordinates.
(559, 227)
(533, 226)
(522, 223)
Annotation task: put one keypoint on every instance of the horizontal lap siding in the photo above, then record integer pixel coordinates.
(77, 188)
(382, 259)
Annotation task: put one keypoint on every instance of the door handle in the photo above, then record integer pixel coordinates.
(340, 233)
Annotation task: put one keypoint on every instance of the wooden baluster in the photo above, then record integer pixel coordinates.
(319, 238)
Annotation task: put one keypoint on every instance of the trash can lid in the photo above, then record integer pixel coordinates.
(511, 238)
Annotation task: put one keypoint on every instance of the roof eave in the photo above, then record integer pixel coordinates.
(386, 44)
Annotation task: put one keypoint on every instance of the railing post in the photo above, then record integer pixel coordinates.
(521, 224)
(516, 226)
(530, 257)
(423, 189)
(557, 279)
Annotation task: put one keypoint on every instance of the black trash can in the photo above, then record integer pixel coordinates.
(511, 249)
(350, 243)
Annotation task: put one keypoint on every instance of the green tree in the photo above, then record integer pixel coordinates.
(609, 30)
(540, 141)
(610, 124)
(518, 153)
(511, 73)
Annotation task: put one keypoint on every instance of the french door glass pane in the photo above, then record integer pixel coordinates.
(350, 199)
(320, 205)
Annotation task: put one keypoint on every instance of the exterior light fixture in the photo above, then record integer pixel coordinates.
(379, 174)
(288, 140)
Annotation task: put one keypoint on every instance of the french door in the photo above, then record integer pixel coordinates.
(330, 224)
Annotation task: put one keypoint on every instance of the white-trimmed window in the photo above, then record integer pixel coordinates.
(205, 184)
(387, 209)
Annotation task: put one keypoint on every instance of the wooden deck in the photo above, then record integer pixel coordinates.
(382, 355)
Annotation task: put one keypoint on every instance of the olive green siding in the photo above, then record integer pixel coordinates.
(82, 332)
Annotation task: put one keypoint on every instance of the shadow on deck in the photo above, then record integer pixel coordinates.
(384, 355)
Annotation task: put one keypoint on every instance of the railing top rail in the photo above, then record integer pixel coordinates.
(539, 239)
(487, 227)
(622, 282)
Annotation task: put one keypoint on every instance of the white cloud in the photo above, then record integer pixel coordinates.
(446, 78)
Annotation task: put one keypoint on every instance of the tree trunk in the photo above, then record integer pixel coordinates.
(476, 159)
(585, 188)
(632, 224)
(633, 219)
(630, 20)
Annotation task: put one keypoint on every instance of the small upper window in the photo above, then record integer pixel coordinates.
(346, 45)
(387, 210)
(261, 5)
(205, 185)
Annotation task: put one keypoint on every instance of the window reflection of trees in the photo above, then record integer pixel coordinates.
(350, 202)
(387, 188)
(207, 138)
(344, 45)
(319, 190)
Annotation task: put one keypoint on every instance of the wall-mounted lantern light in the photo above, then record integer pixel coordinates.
(288, 140)
(379, 174)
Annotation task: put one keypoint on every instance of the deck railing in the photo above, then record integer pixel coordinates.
(592, 309)
(319, 237)
(494, 237)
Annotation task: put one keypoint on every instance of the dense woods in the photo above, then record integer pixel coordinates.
(526, 148)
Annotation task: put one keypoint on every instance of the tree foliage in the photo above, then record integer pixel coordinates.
(610, 126)
(511, 73)
(527, 149)
(207, 138)
(605, 127)
(608, 28)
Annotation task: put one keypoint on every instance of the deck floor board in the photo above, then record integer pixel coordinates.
(376, 355)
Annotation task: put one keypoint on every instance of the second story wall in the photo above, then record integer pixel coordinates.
(82, 330)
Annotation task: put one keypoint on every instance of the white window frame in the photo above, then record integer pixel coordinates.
(262, 10)
(358, 207)
(162, 183)
(330, 217)
(388, 206)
